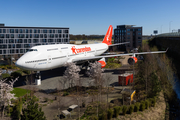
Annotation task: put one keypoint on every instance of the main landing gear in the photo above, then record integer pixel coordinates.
(38, 78)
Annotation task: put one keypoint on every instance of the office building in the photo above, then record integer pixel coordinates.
(17, 40)
(128, 33)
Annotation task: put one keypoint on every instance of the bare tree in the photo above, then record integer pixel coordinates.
(5, 95)
(96, 73)
(107, 79)
(72, 73)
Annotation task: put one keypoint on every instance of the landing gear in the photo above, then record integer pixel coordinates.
(38, 78)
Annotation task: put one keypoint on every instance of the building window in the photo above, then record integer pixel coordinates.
(59, 31)
(44, 40)
(65, 31)
(38, 31)
(16, 30)
(12, 35)
(21, 30)
(18, 45)
(36, 35)
(53, 31)
(50, 40)
(20, 35)
(128, 33)
(30, 35)
(17, 51)
(4, 51)
(9, 46)
(30, 31)
(11, 41)
(139, 33)
(21, 50)
(51, 35)
(0, 30)
(45, 36)
(4, 30)
(1, 35)
(139, 41)
(66, 35)
(56, 35)
(26, 30)
(58, 40)
(34, 30)
(41, 35)
(1, 41)
(29, 40)
(139, 29)
(59, 35)
(50, 31)
(25, 40)
(35, 41)
(26, 36)
(128, 30)
(139, 37)
(11, 30)
(44, 31)
(26, 45)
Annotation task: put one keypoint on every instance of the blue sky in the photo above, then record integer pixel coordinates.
(92, 16)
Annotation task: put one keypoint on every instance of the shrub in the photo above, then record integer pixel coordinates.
(103, 116)
(26, 72)
(142, 106)
(16, 74)
(65, 93)
(124, 109)
(150, 102)
(5, 75)
(93, 117)
(131, 109)
(136, 107)
(154, 101)
(110, 113)
(117, 110)
(147, 104)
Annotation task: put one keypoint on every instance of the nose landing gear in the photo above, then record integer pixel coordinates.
(38, 78)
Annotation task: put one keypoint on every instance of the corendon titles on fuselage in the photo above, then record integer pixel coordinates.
(79, 50)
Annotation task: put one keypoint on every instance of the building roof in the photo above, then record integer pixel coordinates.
(3, 26)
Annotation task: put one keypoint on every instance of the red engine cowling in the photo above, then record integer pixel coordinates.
(132, 60)
(102, 62)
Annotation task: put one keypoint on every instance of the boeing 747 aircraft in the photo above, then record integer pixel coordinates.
(45, 57)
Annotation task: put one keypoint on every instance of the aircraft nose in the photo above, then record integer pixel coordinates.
(19, 63)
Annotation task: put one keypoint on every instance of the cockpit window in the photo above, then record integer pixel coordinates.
(32, 50)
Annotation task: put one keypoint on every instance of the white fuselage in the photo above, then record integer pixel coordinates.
(46, 57)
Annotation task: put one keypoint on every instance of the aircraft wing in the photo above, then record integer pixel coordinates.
(107, 56)
(119, 43)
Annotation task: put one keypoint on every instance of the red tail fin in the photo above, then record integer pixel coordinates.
(108, 36)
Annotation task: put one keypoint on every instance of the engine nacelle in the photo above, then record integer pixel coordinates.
(132, 60)
(102, 62)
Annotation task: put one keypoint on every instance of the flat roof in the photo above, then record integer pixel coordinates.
(3, 26)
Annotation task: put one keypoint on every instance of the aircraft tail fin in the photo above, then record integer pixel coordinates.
(108, 37)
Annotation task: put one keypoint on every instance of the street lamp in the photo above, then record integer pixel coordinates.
(170, 26)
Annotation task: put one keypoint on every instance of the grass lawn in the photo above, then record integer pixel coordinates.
(19, 92)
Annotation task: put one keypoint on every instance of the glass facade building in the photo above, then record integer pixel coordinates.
(17, 40)
(128, 33)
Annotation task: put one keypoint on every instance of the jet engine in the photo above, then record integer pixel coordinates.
(132, 60)
(102, 62)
